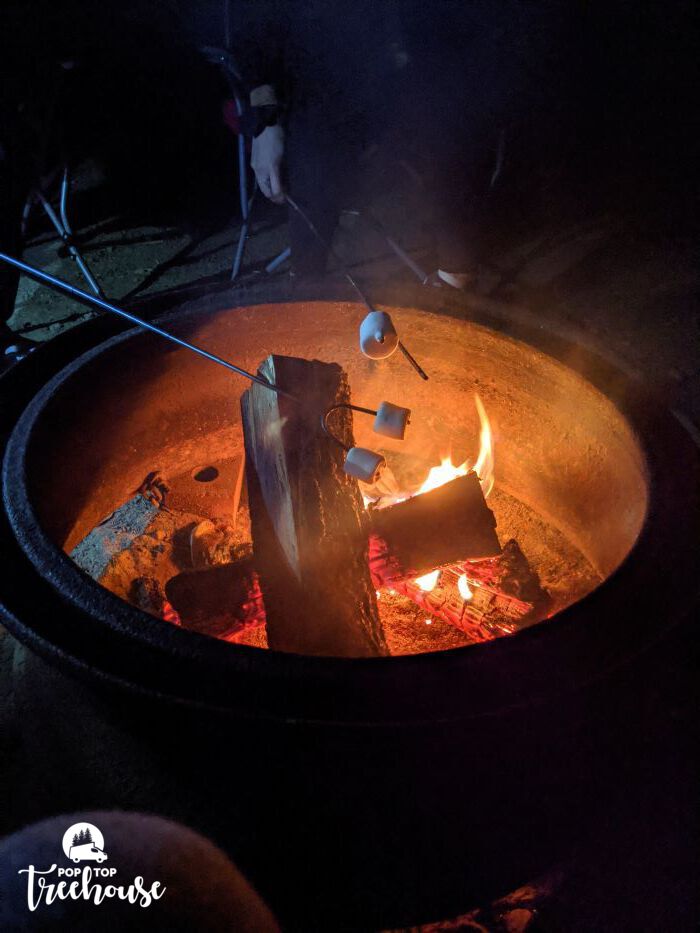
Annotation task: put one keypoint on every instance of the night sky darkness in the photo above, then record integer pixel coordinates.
(603, 91)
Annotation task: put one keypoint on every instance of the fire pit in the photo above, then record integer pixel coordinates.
(594, 481)
(571, 486)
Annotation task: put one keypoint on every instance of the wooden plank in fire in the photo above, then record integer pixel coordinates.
(437, 528)
(307, 516)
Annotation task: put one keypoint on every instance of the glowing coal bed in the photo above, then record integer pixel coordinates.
(563, 471)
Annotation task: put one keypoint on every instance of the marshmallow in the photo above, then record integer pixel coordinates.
(378, 337)
(392, 420)
(364, 464)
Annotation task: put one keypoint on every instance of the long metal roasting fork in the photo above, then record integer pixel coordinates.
(59, 285)
(346, 272)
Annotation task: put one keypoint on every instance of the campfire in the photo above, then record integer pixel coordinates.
(316, 562)
(483, 599)
(511, 489)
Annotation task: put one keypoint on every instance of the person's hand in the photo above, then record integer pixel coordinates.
(266, 162)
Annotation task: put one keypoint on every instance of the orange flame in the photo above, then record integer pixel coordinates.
(439, 475)
(484, 462)
(447, 471)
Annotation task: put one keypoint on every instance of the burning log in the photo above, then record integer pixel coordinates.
(448, 524)
(148, 594)
(219, 601)
(510, 576)
(484, 599)
(307, 515)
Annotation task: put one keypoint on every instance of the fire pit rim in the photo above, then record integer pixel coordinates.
(236, 678)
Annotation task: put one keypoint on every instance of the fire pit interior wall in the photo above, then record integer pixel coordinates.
(561, 447)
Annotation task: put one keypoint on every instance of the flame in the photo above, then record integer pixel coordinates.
(463, 587)
(447, 471)
(484, 462)
(387, 491)
(439, 475)
(428, 581)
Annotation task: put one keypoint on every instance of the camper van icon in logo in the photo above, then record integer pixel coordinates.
(83, 842)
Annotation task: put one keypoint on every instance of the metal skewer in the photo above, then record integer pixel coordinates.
(59, 285)
(346, 272)
(325, 415)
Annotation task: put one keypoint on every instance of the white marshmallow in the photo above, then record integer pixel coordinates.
(392, 420)
(378, 337)
(364, 464)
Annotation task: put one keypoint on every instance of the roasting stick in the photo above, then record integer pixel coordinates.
(95, 301)
(59, 285)
(346, 272)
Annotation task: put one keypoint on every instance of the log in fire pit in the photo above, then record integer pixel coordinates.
(133, 564)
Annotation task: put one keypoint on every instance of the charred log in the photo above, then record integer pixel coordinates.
(495, 597)
(149, 594)
(220, 601)
(449, 524)
(309, 542)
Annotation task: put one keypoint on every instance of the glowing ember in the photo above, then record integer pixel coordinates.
(463, 587)
(428, 581)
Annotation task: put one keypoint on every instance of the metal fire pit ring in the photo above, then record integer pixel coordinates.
(669, 453)
(542, 679)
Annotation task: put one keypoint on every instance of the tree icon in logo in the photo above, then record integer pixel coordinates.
(83, 842)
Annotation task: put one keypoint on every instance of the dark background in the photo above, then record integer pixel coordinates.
(621, 120)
